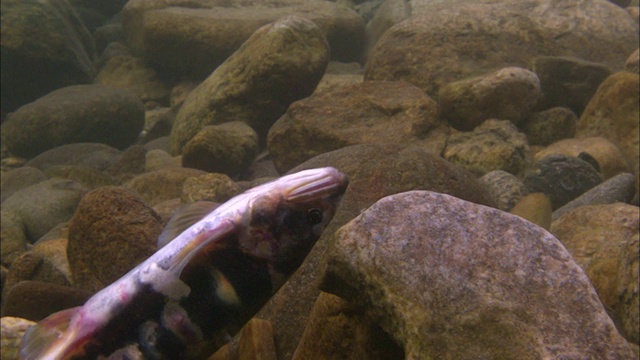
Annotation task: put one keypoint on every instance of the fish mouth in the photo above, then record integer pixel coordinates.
(314, 184)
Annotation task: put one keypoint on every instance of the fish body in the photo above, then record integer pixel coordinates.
(186, 299)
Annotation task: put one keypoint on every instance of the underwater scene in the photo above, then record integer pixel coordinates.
(320, 179)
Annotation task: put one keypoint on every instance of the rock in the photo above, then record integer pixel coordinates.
(45, 262)
(130, 163)
(159, 160)
(45, 46)
(112, 231)
(89, 177)
(568, 81)
(19, 178)
(482, 37)
(338, 330)
(608, 155)
(613, 114)
(563, 178)
(161, 185)
(279, 64)
(388, 14)
(195, 38)
(505, 188)
(74, 114)
(131, 73)
(633, 62)
(392, 169)
(108, 33)
(535, 207)
(209, 187)
(35, 300)
(13, 330)
(13, 240)
(363, 113)
(599, 238)
(507, 94)
(42, 206)
(549, 126)
(493, 145)
(456, 285)
(180, 92)
(157, 123)
(94, 155)
(619, 188)
(256, 341)
(227, 148)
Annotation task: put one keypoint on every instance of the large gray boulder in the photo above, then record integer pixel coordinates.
(451, 279)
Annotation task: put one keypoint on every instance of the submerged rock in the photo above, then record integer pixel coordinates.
(452, 279)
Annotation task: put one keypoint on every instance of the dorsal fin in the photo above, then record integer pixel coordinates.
(40, 337)
(183, 218)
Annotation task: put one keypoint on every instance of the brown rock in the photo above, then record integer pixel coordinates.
(227, 148)
(633, 62)
(111, 232)
(279, 64)
(13, 330)
(507, 94)
(535, 207)
(547, 127)
(465, 281)
(13, 240)
(161, 185)
(603, 239)
(131, 73)
(210, 187)
(607, 154)
(613, 113)
(364, 113)
(338, 330)
(493, 145)
(256, 341)
(446, 41)
(35, 300)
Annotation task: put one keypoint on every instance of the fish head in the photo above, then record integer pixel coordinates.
(289, 216)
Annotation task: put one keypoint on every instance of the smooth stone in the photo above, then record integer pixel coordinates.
(280, 63)
(603, 240)
(89, 177)
(35, 300)
(619, 188)
(45, 46)
(129, 164)
(535, 207)
(209, 187)
(16, 179)
(568, 81)
(607, 154)
(44, 205)
(256, 341)
(613, 113)
(161, 185)
(505, 188)
(132, 74)
(227, 148)
(493, 145)
(95, 155)
(549, 126)
(13, 239)
(633, 62)
(45, 262)
(74, 114)
(563, 178)
(363, 113)
(112, 231)
(506, 94)
(158, 159)
(466, 281)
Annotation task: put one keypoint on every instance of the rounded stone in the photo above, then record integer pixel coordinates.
(563, 178)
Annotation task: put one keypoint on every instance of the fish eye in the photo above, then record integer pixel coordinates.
(314, 216)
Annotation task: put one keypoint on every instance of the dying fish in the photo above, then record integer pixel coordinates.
(203, 285)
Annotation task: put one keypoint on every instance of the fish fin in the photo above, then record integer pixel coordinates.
(183, 218)
(39, 337)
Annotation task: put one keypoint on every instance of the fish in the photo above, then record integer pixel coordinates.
(198, 289)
